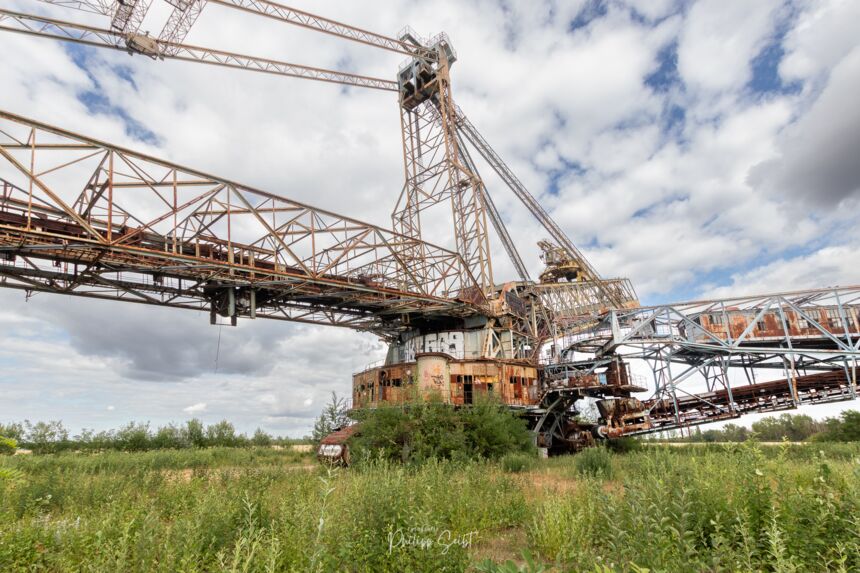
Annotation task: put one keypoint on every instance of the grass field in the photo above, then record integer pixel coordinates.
(715, 508)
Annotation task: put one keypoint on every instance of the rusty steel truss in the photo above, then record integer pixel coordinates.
(79, 216)
(709, 359)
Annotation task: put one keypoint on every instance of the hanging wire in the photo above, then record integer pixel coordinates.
(218, 348)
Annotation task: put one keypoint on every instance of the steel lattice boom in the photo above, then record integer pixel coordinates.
(103, 38)
(79, 216)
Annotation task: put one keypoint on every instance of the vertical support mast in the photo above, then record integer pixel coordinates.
(470, 218)
(435, 170)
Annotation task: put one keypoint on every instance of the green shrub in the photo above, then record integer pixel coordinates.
(7, 446)
(417, 432)
(492, 430)
(517, 462)
(594, 462)
(10, 475)
(624, 445)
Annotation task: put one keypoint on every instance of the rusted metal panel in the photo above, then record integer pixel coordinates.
(770, 325)
(386, 384)
(459, 382)
(516, 304)
(768, 396)
(340, 436)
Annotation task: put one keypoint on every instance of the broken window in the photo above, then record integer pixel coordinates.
(835, 319)
(467, 393)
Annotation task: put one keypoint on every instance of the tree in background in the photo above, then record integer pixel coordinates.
(133, 437)
(845, 428)
(261, 438)
(795, 428)
(12, 431)
(169, 437)
(52, 437)
(333, 416)
(194, 433)
(47, 437)
(222, 434)
(735, 433)
(792, 427)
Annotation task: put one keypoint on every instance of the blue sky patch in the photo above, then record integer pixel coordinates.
(97, 103)
(592, 10)
(765, 77)
(567, 168)
(666, 74)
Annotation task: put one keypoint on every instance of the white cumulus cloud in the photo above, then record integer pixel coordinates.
(195, 408)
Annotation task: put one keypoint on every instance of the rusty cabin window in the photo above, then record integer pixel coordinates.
(396, 382)
(801, 323)
(835, 319)
(716, 319)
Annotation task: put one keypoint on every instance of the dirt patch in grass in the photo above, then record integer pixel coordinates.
(177, 476)
(501, 546)
(187, 474)
(614, 487)
(536, 483)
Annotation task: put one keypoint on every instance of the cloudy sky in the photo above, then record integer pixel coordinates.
(700, 148)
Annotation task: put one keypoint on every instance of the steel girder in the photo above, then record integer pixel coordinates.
(811, 337)
(78, 216)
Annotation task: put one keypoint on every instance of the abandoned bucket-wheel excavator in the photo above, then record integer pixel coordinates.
(83, 217)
